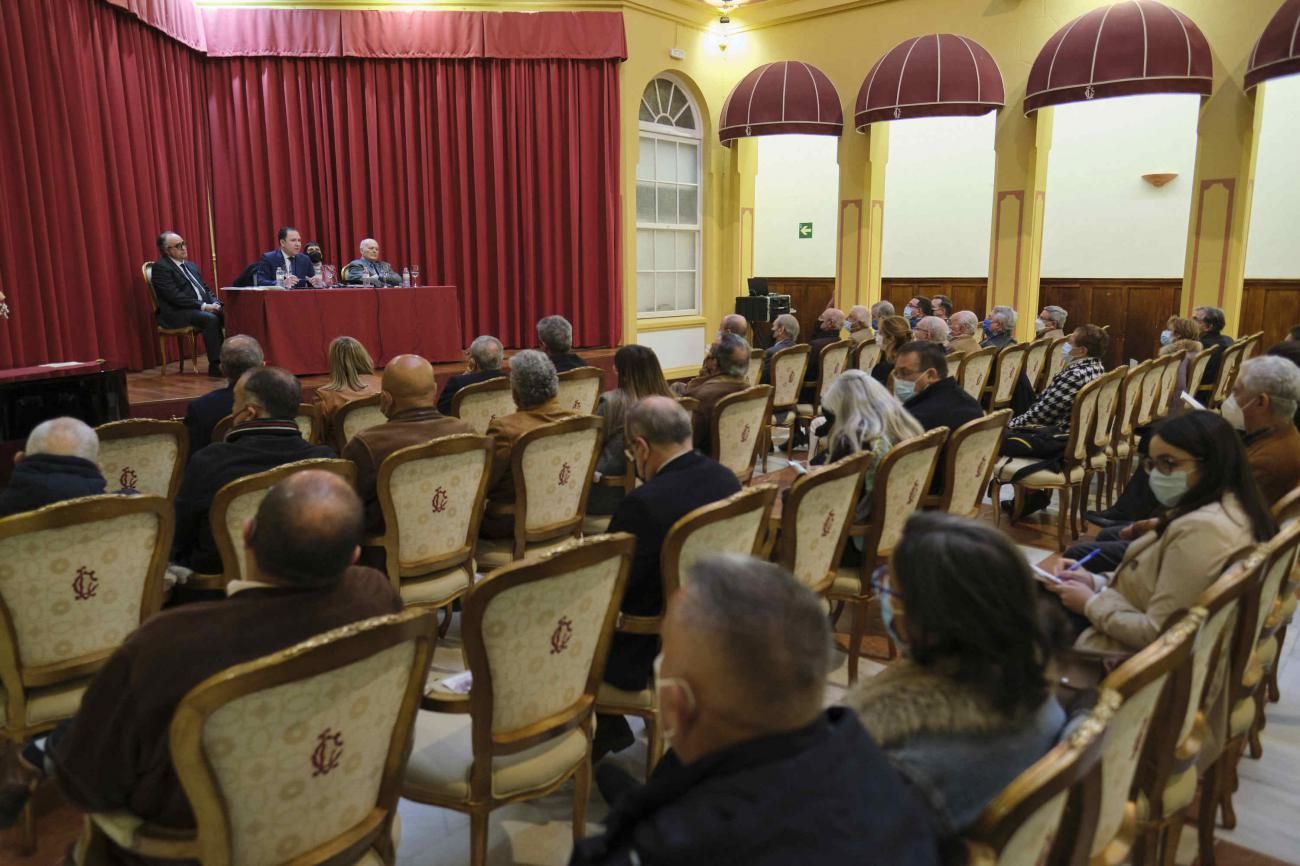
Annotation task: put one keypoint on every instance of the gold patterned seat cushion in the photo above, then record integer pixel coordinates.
(1042, 478)
(443, 754)
(492, 553)
(438, 588)
(848, 581)
(48, 703)
(1098, 461)
(805, 410)
(610, 696)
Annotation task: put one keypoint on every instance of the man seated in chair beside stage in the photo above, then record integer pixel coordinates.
(115, 753)
(368, 270)
(184, 299)
(264, 435)
(239, 354)
(730, 358)
(758, 772)
(299, 272)
(678, 480)
(407, 402)
(57, 464)
(534, 385)
(482, 362)
(555, 338)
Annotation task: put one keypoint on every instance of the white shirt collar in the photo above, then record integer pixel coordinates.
(237, 586)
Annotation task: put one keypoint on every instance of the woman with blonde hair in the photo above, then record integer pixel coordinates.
(1180, 335)
(894, 331)
(639, 376)
(352, 377)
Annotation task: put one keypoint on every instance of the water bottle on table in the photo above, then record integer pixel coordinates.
(279, 277)
(406, 278)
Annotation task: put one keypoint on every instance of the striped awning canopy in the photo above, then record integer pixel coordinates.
(1277, 53)
(1121, 49)
(787, 97)
(936, 75)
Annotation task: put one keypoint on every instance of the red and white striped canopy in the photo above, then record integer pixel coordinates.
(937, 75)
(1121, 49)
(1277, 53)
(783, 98)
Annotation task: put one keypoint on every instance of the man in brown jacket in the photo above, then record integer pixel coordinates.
(407, 401)
(730, 355)
(962, 340)
(534, 384)
(1263, 404)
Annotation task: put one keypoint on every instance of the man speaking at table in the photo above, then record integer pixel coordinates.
(299, 271)
(369, 270)
(184, 299)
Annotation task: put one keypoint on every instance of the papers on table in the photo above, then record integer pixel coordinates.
(1191, 401)
(65, 364)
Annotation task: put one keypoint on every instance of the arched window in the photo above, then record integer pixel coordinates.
(668, 176)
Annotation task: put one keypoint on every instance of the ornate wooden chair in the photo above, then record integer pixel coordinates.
(1105, 426)
(1151, 381)
(76, 578)
(580, 389)
(1285, 510)
(179, 334)
(480, 404)
(865, 355)
(431, 496)
(736, 430)
(1169, 383)
(901, 480)
(969, 457)
(1010, 364)
(1055, 360)
(736, 524)
(1196, 384)
(309, 421)
(974, 370)
(1123, 447)
(1045, 815)
(144, 455)
(788, 368)
(352, 418)
(552, 467)
(831, 362)
(816, 518)
(1232, 357)
(754, 372)
(536, 635)
(296, 757)
(1069, 479)
(1036, 362)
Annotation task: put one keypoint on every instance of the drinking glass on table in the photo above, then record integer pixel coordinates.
(415, 275)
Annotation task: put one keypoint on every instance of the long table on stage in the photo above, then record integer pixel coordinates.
(295, 326)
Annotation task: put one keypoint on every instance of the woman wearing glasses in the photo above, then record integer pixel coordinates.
(970, 705)
(1212, 509)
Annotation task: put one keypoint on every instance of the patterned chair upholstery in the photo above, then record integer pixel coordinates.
(865, 355)
(1105, 426)
(536, 636)
(754, 372)
(816, 518)
(1196, 383)
(1036, 361)
(142, 455)
(237, 502)
(1150, 393)
(146, 270)
(1123, 447)
(736, 524)
(1141, 683)
(969, 457)
(1169, 383)
(974, 370)
(1286, 510)
(432, 496)
(552, 466)
(1006, 372)
(1070, 477)
(480, 404)
(736, 429)
(830, 363)
(902, 479)
(295, 757)
(580, 389)
(355, 416)
(310, 424)
(1232, 357)
(1029, 823)
(1056, 360)
(787, 368)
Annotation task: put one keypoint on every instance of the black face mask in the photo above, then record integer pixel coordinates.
(830, 418)
(315, 257)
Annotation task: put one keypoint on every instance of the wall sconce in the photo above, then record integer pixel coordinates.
(724, 27)
(1159, 178)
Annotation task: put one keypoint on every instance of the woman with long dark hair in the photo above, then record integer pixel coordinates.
(1212, 508)
(639, 376)
(970, 705)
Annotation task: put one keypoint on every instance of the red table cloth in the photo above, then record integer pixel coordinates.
(295, 327)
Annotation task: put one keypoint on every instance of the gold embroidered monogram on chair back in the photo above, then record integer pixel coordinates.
(868, 356)
(557, 474)
(906, 479)
(833, 359)
(973, 460)
(360, 417)
(788, 369)
(823, 512)
(580, 390)
(483, 402)
(435, 501)
(143, 456)
(975, 370)
(739, 426)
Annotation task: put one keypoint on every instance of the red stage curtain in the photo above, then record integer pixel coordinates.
(104, 144)
(497, 176)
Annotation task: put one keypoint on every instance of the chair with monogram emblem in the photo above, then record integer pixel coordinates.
(865, 355)
(296, 757)
(754, 372)
(480, 404)
(580, 389)
(536, 636)
(1007, 368)
(974, 370)
(736, 429)
(143, 455)
(831, 362)
(552, 466)
(815, 520)
(787, 368)
(968, 461)
(76, 578)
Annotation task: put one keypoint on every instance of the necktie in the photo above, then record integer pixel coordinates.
(198, 290)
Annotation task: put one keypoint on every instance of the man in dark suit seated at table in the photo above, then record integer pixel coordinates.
(184, 299)
(678, 480)
(369, 270)
(556, 337)
(239, 354)
(264, 436)
(483, 362)
(299, 271)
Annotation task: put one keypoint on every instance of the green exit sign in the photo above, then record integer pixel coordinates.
(805, 231)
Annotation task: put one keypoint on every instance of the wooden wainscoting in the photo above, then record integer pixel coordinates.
(808, 297)
(1135, 309)
(967, 293)
(1271, 306)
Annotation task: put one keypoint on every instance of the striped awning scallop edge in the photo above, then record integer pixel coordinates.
(1121, 49)
(936, 75)
(1277, 53)
(782, 98)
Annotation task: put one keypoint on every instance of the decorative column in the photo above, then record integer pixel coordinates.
(862, 158)
(1022, 144)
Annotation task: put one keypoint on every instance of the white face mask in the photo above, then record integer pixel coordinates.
(1066, 348)
(1039, 326)
(1232, 413)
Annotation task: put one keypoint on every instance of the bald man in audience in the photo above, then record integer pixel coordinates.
(678, 479)
(961, 339)
(932, 329)
(825, 331)
(758, 773)
(406, 399)
(858, 322)
(731, 324)
(301, 582)
(369, 270)
(729, 357)
(58, 463)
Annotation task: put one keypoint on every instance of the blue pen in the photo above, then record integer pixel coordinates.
(1081, 563)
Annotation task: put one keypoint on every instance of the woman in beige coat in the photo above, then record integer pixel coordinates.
(1213, 509)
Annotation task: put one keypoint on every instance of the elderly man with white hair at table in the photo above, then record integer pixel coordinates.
(369, 269)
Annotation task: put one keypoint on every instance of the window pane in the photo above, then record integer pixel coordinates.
(665, 89)
(645, 202)
(686, 290)
(645, 166)
(665, 160)
(645, 114)
(685, 243)
(665, 293)
(687, 163)
(645, 250)
(687, 120)
(645, 292)
(667, 204)
(664, 259)
(689, 204)
(677, 102)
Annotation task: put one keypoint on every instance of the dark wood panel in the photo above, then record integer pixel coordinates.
(967, 293)
(1271, 306)
(1135, 309)
(808, 297)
